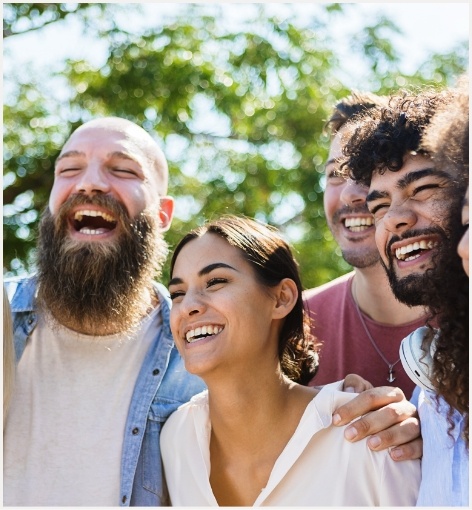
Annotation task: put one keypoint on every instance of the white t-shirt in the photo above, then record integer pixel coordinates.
(318, 467)
(65, 428)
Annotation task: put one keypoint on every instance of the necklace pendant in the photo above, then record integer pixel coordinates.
(390, 375)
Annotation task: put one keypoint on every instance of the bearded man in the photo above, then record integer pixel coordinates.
(415, 203)
(98, 371)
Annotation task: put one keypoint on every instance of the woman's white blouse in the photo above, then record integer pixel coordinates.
(317, 467)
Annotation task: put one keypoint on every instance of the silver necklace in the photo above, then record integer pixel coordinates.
(390, 378)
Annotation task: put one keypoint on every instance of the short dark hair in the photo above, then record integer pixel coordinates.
(380, 138)
(357, 102)
(272, 260)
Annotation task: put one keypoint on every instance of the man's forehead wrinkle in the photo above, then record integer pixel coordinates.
(133, 140)
(119, 154)
(69, 154)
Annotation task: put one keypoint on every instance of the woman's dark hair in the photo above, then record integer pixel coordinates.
(272, 260)
(447, 137)
(447, 141)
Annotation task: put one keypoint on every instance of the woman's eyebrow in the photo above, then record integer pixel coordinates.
(211, 267)
(206, 270)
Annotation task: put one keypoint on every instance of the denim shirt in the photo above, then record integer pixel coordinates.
(162, 386)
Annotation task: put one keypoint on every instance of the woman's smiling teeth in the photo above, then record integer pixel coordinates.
(202, 332)
(358, 224)
(403, 252)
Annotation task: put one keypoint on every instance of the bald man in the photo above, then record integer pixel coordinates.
(99, 372)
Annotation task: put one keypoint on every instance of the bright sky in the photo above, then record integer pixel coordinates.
(428, 27)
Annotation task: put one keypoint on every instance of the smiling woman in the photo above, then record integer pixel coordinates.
(255, 263)
(257, 436)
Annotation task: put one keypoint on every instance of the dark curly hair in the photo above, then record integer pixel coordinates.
(447, 141)
(272, 260)
(379, 139)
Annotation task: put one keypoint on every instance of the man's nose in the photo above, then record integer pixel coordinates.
(399, 218)
(353, 193)
(93, 179)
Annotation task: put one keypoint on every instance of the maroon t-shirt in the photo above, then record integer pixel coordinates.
(346, 348)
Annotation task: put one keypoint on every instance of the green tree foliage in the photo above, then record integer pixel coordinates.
(239, 112)
(20, 18)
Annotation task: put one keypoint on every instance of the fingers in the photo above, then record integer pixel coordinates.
(387, 417)
(354, 383)
(392, 425)
(371, 400)
(404, 434)
(399, 434)
(408, 451)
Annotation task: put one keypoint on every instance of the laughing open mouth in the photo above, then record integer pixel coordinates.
(414, 250)
(93, 222)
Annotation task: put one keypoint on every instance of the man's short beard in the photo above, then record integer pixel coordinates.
(98, 288)
(423, 289)
(361, 260)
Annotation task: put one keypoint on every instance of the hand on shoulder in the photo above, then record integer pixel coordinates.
(387, 416)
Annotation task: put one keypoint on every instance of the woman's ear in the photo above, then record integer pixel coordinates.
(286, 294)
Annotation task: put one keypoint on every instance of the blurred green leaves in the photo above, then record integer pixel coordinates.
(239, 113)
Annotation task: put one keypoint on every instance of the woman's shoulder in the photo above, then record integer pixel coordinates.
(198, 401)
(196, 408)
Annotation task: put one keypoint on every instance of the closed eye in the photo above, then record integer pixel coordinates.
(69, 169)
(124, 171)
(376, 208)
(333, 176)
(216, 281)
(419, 189)
(176, 294)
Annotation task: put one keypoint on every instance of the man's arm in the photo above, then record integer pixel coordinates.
(388, 417)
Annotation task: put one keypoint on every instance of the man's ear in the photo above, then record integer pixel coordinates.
(286, 294)
(166, 212)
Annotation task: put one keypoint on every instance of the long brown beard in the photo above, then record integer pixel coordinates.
(98, 288)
